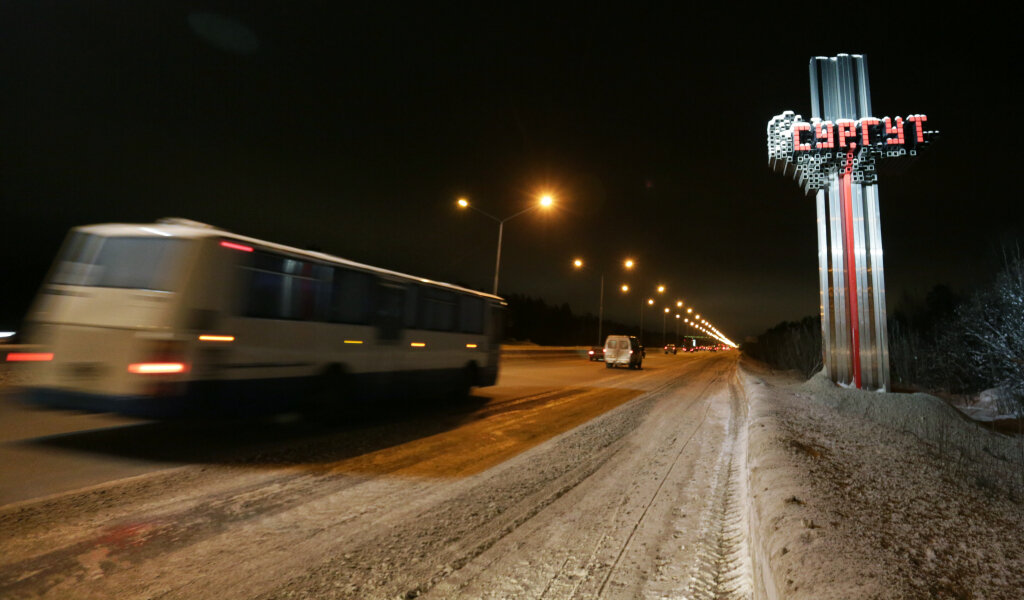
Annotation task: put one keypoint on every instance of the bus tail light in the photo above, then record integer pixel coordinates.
(157, 368)
(165, 358)
(29, 356)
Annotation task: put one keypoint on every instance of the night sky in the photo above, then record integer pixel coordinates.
(355, 129)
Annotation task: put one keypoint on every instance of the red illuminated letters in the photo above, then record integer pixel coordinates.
(870, 132)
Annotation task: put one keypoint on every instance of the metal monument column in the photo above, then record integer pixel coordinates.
(835, 155)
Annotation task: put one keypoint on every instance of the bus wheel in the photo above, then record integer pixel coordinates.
(328, 394)
(469, 377)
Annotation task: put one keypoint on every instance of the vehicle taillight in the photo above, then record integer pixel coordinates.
(29, 356)
(164, 358)
(157, 368)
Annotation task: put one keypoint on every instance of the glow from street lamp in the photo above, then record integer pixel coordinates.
(463, 203)
(666, 309)
(577, 263)
(650, 301)
(661, 289)
(628, 263)
(546, 200)
(679, 304)
(625, 287)
(689, 311)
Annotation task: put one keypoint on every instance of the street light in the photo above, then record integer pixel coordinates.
(663, 316)
(578, 263)
(545, 201)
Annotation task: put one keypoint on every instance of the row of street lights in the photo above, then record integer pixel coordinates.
(628, 265)
(546, 201)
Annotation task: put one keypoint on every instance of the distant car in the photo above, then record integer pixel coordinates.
(596, 353)
(670, 349)
(623, 350)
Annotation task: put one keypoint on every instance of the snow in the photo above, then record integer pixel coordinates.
(858, 494)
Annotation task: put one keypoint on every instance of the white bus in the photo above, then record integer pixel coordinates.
(178, 317)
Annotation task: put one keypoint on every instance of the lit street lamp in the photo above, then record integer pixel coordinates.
(578, 263)
(544, 201)
(663, 316)
(650, 302)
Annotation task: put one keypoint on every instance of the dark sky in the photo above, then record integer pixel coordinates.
(355, 129)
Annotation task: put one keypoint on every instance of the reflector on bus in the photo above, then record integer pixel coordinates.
(216, 338)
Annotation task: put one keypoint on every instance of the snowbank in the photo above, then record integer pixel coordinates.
(866, 495)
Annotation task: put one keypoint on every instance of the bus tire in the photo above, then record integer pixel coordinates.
(328, 394)
(469, 377)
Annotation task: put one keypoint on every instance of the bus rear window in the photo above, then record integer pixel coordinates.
(142, 263)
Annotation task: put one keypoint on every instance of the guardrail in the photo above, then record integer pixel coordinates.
(513, 352)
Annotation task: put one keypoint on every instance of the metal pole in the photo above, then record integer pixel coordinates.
(497, 262)
(600, 313)
(642, 320)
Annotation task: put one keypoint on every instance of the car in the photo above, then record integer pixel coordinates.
(624, 350)
(670, 349)
(596, 353)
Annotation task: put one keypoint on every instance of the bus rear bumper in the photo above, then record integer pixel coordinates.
(135, 406)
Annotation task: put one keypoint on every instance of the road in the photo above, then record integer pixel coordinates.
(566, 480)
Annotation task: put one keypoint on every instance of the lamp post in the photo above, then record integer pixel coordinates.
(545, 201)
(627, 264)
(663, 316)
(650, 302)
(677, 330)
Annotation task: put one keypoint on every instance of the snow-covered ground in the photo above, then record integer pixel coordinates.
(865, 495)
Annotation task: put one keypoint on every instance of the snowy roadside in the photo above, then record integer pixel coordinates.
(864, 495)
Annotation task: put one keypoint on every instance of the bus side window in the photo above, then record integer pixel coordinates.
(438, 309)
(390, 304)
(412, 294)
(471, 314)
(350, 297)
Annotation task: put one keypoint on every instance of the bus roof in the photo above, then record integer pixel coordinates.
(185, 228)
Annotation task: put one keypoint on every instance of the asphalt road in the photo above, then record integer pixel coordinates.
(566, 480)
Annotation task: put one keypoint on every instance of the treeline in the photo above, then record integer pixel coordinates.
(531, 319)
(947, 342)
(790, 345)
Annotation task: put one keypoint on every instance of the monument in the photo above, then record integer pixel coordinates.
(836, 156)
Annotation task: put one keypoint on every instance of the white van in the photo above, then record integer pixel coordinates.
(623, 350)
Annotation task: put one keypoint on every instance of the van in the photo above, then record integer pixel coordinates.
(623, 350)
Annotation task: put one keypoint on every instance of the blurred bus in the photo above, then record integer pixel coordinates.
(178, 317)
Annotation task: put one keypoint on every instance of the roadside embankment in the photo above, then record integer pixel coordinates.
(878, 495)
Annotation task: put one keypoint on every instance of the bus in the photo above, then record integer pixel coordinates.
(179, 318)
